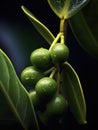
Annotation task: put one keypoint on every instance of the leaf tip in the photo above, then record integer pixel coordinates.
(22, 7)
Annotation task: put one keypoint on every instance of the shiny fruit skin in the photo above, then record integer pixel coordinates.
(59, 53)
(55, 109)
(46, 88)
(41, 58)
(31, 75)
(57, 106)
(34, 98)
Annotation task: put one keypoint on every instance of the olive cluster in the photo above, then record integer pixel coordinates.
(47, 100)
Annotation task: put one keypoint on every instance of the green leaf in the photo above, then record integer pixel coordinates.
(5, 114)
(66, 8)
(42, 29)
(16, 94)
(84, 26)
(74, 94)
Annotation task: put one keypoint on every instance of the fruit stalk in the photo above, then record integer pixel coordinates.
(52, 73)
(55, 40)
(49, 71)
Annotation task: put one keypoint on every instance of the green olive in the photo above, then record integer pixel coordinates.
(57, 106)
(41, 58)
(55, 109)
(46, 88)
(59, 53)
(31, 75)
(34, 98)
(38, 104)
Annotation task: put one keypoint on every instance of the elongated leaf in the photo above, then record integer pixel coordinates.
(66, 8)
(42, 29)
(73, 90)
(5, 114)
(85, 28)
(16, 94)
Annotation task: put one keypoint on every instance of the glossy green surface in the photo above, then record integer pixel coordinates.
(59, 53)
(57, 106)
(41, 58)
(34, 98)
(46, 88)
(30, 75)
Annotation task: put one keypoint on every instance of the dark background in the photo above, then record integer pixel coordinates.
(18, 38)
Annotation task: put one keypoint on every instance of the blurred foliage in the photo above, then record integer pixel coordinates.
(85, 27)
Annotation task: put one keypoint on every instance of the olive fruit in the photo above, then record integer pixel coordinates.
(34, 98)
(37, 103)
(59, 53)
(46, 88)
(41, 58)
(55, 109)
(30, 75)
(57, 106)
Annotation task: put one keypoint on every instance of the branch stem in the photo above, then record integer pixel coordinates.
(49, 71)
(52, 73)
(55, 40)
(63, 29)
